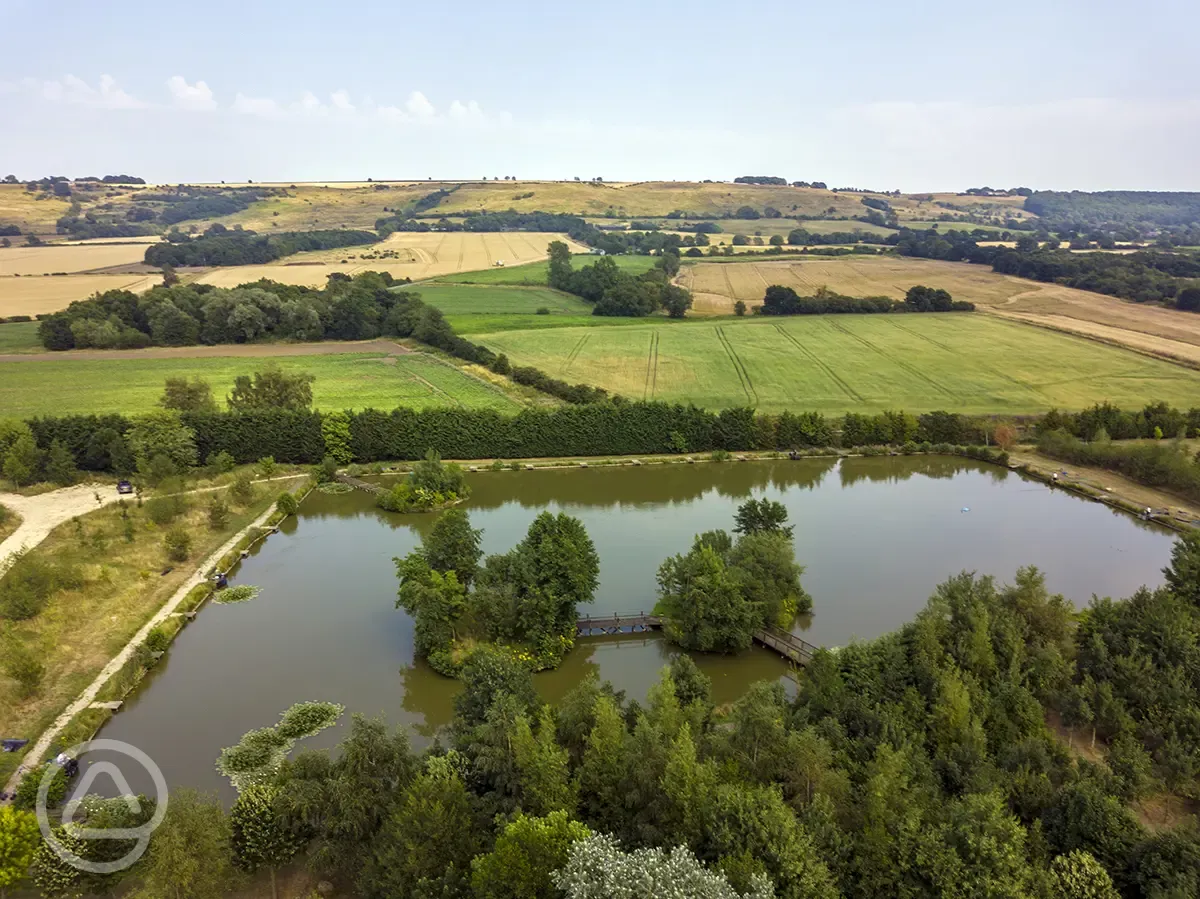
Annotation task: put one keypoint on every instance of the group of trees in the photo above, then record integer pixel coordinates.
(761, 179)
(918, 764)
(431, 484)
(780, 300)
(524, 599)
(223, 246)
(1076, 210)
(1144, 276)
(615, 292)
(151, 212)
(1168, 464)
(717, 595)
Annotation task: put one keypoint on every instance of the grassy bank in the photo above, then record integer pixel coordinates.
(113, 575)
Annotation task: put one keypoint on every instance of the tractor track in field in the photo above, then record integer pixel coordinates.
(574, 354)
(833, 376)
(651, 367)
(899, 363)
(1002, 375)
(738, 366)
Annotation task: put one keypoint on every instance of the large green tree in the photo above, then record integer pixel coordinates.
(19, 839)
(259, 836)
(703, 604)
(271, 388)
(527, 853)
(189, 852)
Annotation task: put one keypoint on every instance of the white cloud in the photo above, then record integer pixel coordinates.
(341, 101)
(258, 106)
(419, 107)
(70, 89)
(198, 96)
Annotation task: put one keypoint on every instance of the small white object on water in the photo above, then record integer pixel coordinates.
(966, 508)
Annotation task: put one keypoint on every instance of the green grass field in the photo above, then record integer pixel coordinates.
(343, 381)
(952, 226)
(466, 299)
(19, 337)
(959, 362)
(534, 273)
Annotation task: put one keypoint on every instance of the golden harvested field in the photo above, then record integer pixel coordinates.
(420, 256)
(312, 207)
(67, 258)
(27, 212)
(332, 205)
(1148, 329)
(38, 295)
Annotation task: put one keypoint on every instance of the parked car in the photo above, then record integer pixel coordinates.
(124, 487)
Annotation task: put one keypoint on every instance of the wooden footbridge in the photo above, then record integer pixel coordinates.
(787, 645)
(359, 484)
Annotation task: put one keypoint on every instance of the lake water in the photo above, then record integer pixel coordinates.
(876, 535)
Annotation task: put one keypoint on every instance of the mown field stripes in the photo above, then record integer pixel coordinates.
(738, 366)
(651, 367)
(899, 363)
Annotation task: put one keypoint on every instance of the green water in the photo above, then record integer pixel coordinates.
(876, 535)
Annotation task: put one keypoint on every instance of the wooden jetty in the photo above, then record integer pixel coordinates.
(791, 647)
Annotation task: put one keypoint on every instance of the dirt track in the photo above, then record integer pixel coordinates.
(329, 347)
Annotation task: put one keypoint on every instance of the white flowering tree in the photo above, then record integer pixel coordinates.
(597, 868)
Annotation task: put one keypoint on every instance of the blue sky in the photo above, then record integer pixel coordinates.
(919, 96)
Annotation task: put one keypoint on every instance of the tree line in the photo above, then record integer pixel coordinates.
(919, 764)
(614, 292)
(360, 308)
(780, 300)
(219, 245)
(1113, 209)
(1144, 276)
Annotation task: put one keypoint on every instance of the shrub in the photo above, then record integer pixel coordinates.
(739, 308)
(163, 510)
(24, 667)
(178, 544)
(27, 586)
(220, 463)
(25, 797)
(242, 489)
(286, 504)
(218, 513)
(542, 310)
(157, 640)
(326, 471)
(266, 466)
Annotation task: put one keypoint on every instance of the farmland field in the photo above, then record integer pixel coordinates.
(468, 299)
(34, 295)
(68, 258)
(19, 337)
(1141, 326)
(417, 256)
(30, 212)
(535, 272)
(343, 381)
(960, 362)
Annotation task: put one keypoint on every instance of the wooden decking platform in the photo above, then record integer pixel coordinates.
(791, 647)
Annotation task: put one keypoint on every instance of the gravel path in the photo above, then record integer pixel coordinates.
(44, 513)
(88, 696)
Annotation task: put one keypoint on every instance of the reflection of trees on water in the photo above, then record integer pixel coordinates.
(893, 469)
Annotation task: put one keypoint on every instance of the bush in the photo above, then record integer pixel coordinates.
(157, 640)
(542, 310)
(326, 471)
(163, 510)
(266, 466)
(739, 308)
(218, 513)
(221, 462)
(24, 667)
(242, 489)
(25, 797)
(286, 504)
(178, 544)
(28, 585)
